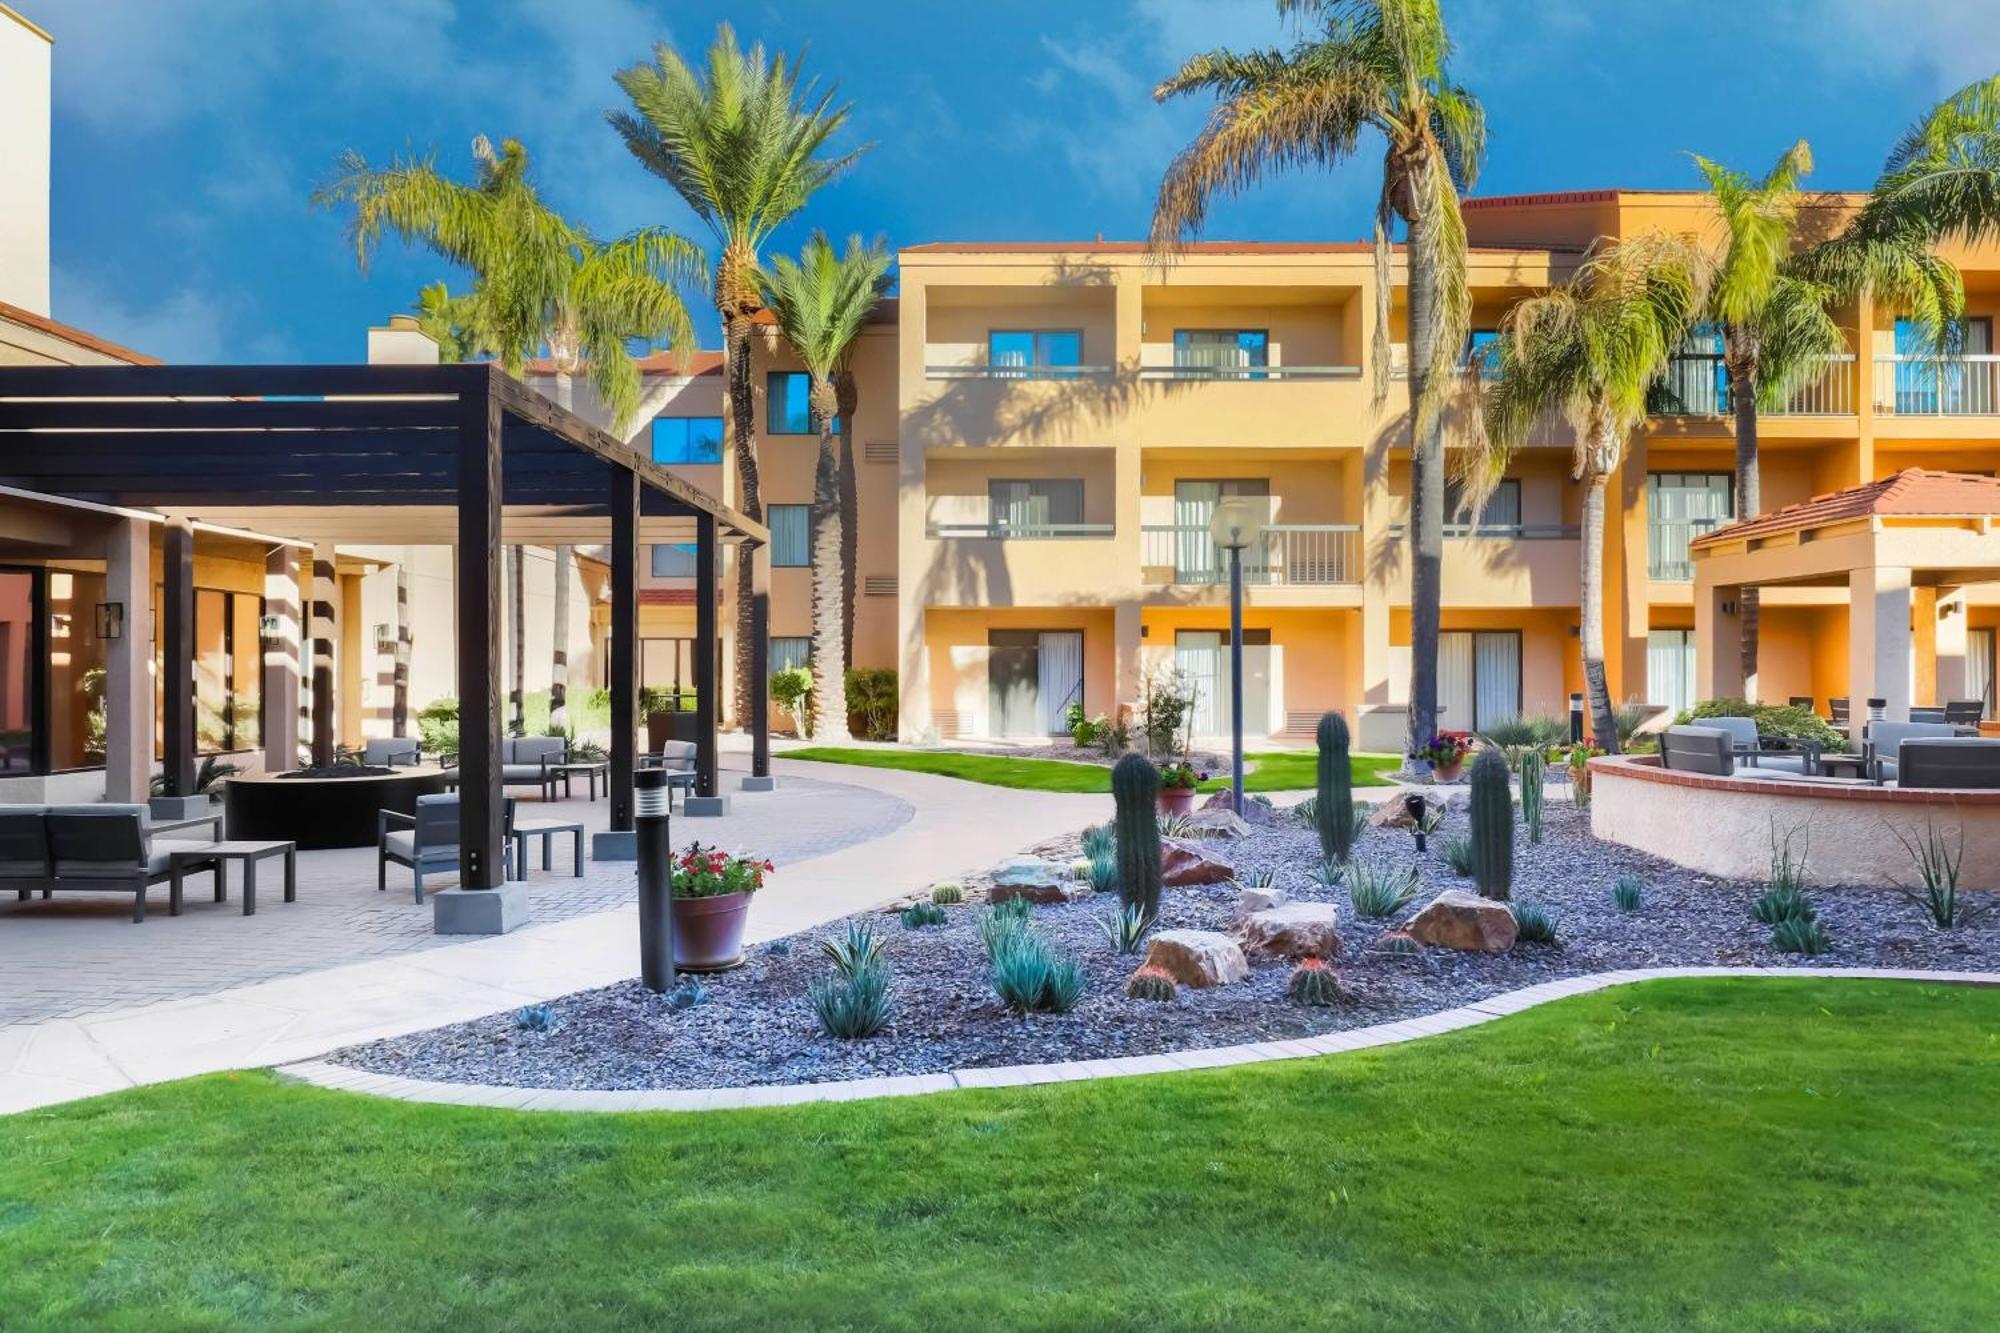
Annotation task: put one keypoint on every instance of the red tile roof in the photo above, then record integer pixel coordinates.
(1911, 491)
(666, 596)
(13, 314)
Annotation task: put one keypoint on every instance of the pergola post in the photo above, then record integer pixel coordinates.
(706, 800)
(282, 640)
(759, 556)
(624, 645)
(177, 657)
(1878, 639)
(484, 903)
(128, 665)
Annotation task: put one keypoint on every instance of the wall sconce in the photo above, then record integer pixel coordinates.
(270, 626)
(111, 620)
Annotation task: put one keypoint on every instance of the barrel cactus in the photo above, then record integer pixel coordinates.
(1135, 787)
(1152, 983)
(1314, 985)
(1333, 804)
(1534, 772)
(1492, 826)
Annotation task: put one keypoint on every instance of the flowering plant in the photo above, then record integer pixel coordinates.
(1180, 776)
(1445, 749)
(708, 872)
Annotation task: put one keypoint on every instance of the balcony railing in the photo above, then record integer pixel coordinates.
(1667, 558)
(1919, 386)
(1289, 555)
(981, 371)
(1018, 532)
(1504, 532)
(1696, 385)
(1240, 372)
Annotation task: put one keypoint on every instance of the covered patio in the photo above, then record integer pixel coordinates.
(1905, 547)
(457, 455)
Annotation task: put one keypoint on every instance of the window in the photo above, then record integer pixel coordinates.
(674, 561)
(1670, 668)
(789, 526)
(1476, 343)
(1500, 516)
(1696, 383)
(1479, 678)
(790, 651)
(20, 602)
(1681, 506)
(1033, 508)
(687, 439)
(788, 411)
(1954, 387)
(1034, 348)
(1223, 350)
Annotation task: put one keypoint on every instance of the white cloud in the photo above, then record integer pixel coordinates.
(1948, 42)
(187, 325)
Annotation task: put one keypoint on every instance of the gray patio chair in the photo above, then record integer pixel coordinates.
(428, 841)
(1766, 752)
(1964, 712)
(104, 848)
(1949, 761)
(677, 758)
(1703, 749)
(392, 751)
(1883, 741)
(1927, 714)
(1836, 712)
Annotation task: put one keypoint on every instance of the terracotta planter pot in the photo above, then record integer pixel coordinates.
(1447, 772)
(1177, 800)
(708, 932)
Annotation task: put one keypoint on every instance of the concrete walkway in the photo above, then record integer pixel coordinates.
(956, 827)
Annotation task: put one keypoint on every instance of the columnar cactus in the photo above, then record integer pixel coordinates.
(1492, 826)
(1135, 787)
(1334, 810)
(1534, 772)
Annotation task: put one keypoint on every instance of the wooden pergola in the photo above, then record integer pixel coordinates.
(458, 455)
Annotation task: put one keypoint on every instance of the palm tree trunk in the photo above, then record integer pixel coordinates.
(1426, 503)
(399, 699)
(517, 610)
(847, 397)
(829, 656)
(1749, 503)
(743, 441)
(559, 645)
(1603, 726)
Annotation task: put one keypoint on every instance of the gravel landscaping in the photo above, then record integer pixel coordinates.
(755, 1025)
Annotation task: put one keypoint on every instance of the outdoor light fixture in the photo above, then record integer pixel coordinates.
(1236, 523)
(270, 626)
(1576, 719)
(1414, 807)
(111, 620)
(385, 639)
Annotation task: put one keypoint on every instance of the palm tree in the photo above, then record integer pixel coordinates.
(1363, 64)
(539, 282)
(820, 302)
(1590, 351)
(1942, 180)
(743, 143)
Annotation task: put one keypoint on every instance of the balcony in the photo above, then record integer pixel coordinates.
(1917, 386)
(1298, 555)
(1213, 373)
(1697, 385)
(1667, 559)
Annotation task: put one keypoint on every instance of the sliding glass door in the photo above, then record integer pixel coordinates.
(1032, 677)
(1196, 559)
(1201, 656)
(1670, 669)
(1479, 678)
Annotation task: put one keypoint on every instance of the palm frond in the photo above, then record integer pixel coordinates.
(1942, 180)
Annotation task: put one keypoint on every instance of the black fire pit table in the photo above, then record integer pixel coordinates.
(318, 808)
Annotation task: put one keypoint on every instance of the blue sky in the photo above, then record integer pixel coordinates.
(189, 133)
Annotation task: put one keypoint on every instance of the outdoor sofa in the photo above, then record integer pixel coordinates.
(1941, 762)
(102, 848)
(526, 761)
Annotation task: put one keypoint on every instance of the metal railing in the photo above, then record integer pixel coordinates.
(980, 371)
(1959, 386)
(1288, 555)
(993, 531)
(1667, 558)
(1200, 372)
(1506, 532)
(1696, 385)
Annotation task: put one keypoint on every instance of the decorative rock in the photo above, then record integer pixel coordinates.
(1197, 958)
(1256, 809)
(1259, 900)
(1068, 891)
(1217, 824)
(1035, 879)
(1393, 814)
(1295, 930)
(1456, 919)
(1184, 863)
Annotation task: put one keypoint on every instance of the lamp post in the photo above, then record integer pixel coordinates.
(1236, 523)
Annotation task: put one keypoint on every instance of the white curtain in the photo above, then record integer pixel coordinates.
(789, 544)
(1670, 668)
(1058, 678)
(1979, 667)
(1497, 678)
(1195, 556)
(1455, 681)
(1200, 658)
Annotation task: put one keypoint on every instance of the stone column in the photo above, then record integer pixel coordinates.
(284, 642)
(1949, 638)
(1878, 639)
(1718, 641)
(128, 663)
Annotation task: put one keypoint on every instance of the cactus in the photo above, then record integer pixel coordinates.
(1152, 983)
(1135, 786)
(1492, 826)
(1315, 985)
(1333, 805)
(1534, 772)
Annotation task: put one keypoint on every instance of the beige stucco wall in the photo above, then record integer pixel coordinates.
(24, 163)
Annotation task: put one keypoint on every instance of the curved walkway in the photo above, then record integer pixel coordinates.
(920, 829)
(342, 1079)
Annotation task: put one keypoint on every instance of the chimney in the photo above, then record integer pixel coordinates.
(401, 343)
(24, 163)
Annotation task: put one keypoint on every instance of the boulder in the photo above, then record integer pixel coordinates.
(1456, 919)
(1216, 824)
(1256, 809)
(1035, 879)
(1197, 957)
(1393, 813)
(1294, 930)
(1259, 900)
(1183, 863)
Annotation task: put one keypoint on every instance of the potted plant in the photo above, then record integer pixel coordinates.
(711, 905)
(1446, 754)
(1177, 783)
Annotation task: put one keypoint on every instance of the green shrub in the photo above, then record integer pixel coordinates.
(1777, 904)
(1801, 935)
(872, 703)
(856, 950)
(1788, 868)
(917, 916)
(1104, 873)
(1002, 922)
(1126, 928)
(1377, 891)
(1100, 840)
(1937, 864)
(1032, 976)
(791, 690)
(1533, 923)
(437, 727)
(1329, 875)
(945, 895)
(1254, 879)
(536, 1018)
(1522, 732)
(1779, 721)
(1627, 892)
(1155, 984)
(1456, 848)
(1313, 984)
(853, 1006)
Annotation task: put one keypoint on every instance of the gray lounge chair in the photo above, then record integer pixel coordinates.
(392, 752)
(1971, 762)
(428, 841)
(1884, 740)
(1763, 752)
(677, 758)
(104, 848)
(525, 761)
(1709, 750)
(1964, 712)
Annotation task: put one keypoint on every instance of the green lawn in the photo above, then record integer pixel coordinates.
(1758, 1154)
(1276, 770)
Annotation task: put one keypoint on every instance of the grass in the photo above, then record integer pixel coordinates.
(1705, 1153)
(1275, 770)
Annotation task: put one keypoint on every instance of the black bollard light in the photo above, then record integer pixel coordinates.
(1415, 807)
(1576, 719)
(656, 879)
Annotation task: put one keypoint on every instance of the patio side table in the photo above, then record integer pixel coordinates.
(546, 830)
(219, 854)
(592, 770)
